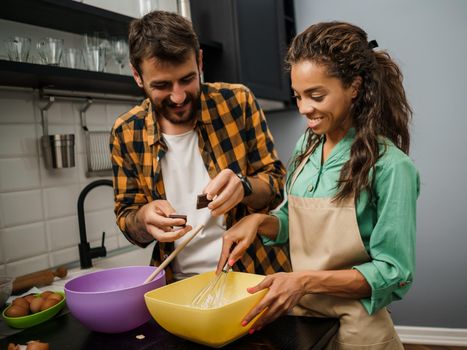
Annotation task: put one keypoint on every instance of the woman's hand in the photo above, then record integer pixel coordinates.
(238, 238)
(285, 291)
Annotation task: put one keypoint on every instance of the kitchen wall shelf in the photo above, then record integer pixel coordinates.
(42, 76)
(78, 18)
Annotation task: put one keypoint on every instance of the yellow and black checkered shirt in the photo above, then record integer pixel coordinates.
(232, 134)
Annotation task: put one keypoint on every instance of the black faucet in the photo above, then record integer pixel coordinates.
(86, 253)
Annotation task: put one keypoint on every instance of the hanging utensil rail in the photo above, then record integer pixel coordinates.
(96, 141)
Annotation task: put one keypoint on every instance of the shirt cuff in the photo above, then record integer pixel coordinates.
(382, 294)
(282, 234)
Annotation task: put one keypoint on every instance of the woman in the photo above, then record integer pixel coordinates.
(349, 215)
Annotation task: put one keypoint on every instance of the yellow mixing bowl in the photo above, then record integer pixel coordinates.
(171, 307)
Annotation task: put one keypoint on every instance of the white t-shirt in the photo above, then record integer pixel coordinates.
(185, 176)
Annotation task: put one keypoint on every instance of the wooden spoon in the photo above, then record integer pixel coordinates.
(173, 254)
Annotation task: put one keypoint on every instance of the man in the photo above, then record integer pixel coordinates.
(185, 139)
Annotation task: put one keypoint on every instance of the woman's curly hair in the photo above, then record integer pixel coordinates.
(379, 111)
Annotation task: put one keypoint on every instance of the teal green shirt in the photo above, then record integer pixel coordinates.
(387, 224)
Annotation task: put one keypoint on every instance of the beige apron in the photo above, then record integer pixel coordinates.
(324, 235)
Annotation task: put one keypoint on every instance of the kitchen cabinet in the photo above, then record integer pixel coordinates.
(287, 332)
(254, 35)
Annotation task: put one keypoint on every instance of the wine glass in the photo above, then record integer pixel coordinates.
(119, 49)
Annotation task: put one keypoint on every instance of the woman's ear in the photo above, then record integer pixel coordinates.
(357, 82)
(136, 76)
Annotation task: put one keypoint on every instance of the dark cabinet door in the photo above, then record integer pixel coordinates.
(262, 46)
(254, 42)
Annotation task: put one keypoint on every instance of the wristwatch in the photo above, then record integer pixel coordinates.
(247, 189)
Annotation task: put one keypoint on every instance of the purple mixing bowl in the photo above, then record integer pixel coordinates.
(112, 300)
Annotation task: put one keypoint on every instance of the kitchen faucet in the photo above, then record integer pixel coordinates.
(86, 253)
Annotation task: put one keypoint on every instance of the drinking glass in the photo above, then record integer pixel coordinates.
(94, 57)
(96, 39)
(73, 58)
(18, 48)
(50, 51)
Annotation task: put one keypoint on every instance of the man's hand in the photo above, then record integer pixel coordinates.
(225, 191)
(153, 220)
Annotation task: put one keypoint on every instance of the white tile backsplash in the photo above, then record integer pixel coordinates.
(62, 113)
(18, 174)
(111, 243)
(16, 107)
(38, 206)
(19, 208)
(18, 140)
(99, 198)
(24, 241)
(115, 110)
(28, 265)
(96, 118)
(61, 201)
(122, 241)
(64, 256)
(98, 222)
(58, 177)
(63, 232)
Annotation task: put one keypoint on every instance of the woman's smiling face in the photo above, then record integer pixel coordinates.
(322, 99)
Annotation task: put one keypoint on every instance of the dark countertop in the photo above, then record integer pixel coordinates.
(65, 332)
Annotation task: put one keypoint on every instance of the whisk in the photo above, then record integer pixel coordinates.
(213, 293)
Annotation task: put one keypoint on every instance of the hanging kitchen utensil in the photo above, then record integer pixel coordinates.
(212, 294)
(97, 147)
(174, 253)
(58, 149)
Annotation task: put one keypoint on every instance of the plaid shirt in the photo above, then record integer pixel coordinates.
(232, 134)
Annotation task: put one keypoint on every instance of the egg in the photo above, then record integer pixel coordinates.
(55, 296)
(21, 302)
(29, 297)
(36, 304)
(46, 294)
(37, 345)
(16, 311)
(48, 303)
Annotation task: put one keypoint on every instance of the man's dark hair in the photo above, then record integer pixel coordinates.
(166, 36)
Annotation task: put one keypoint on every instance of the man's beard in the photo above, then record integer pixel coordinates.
(164, 109)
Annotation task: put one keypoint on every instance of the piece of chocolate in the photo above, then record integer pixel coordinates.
(202, 201)
(178, 216)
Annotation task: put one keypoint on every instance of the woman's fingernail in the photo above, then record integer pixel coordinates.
(244, 323)
(231, 262)
(251, 331)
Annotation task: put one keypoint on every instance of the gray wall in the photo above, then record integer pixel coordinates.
(428, 40)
